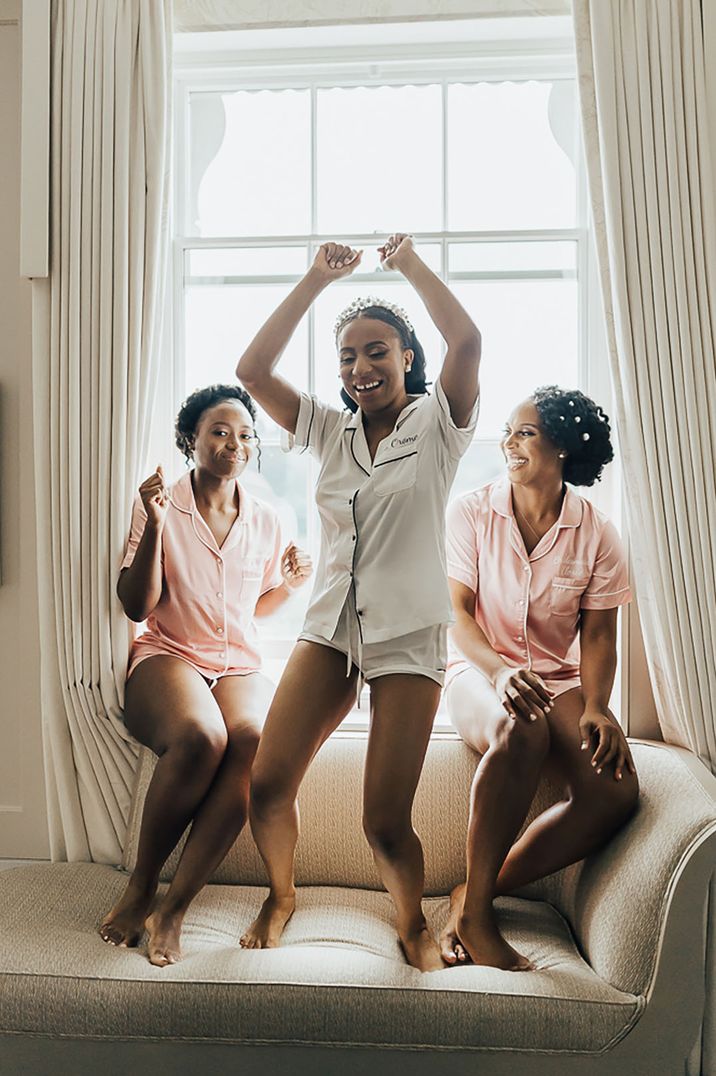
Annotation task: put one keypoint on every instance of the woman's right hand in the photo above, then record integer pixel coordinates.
(523, 693)
(334, 260)
(155, 498)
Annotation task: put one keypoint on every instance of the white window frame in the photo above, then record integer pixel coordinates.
(418, 64)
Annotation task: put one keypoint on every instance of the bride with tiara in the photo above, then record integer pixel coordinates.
(380, 604)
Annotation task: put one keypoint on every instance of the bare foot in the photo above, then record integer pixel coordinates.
(125, 923)
(484, 944)
(421, 950)
(451, 948)
(266, 930)
(164, 933)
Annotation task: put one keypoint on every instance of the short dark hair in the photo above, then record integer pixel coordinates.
(415, 383)
(578, 426)
(200, 401)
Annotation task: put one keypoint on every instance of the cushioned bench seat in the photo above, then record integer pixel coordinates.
(339, 978)
(618, 941)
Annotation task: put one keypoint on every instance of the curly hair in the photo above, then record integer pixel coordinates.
(200, 401)
(580, 428)
(415, 383)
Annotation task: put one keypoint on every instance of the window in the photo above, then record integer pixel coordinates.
(473, 149)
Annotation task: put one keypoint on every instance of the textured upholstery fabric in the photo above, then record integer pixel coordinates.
(338, 978)
(332, 849)
(614, 902)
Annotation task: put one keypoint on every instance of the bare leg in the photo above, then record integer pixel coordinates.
(403, 711)
(243, 701)
(513, 751)
(311, 700)
(597, 805)
(169, 708)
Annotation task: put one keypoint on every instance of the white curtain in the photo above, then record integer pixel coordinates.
(642, 81)
(641, 67)
(95, 384)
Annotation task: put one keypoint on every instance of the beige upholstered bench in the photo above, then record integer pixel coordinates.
(618, 941)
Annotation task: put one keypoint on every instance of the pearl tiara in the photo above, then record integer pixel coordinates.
(367, 303)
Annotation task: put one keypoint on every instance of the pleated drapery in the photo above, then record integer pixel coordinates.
(641, 68)
(95, 386)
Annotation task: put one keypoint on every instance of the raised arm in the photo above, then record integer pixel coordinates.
(139, 587)
(459, 374)
(256, 367)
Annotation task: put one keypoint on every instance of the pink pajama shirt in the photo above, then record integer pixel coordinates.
(205, 615)
(528, 605)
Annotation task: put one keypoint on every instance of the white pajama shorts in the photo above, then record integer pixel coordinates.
(420, 653)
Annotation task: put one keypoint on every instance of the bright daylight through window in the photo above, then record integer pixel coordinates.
(476, 156)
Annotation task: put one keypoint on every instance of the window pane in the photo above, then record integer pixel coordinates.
(330, 304)
(529, 338)
(511, 154)
(370, 262)
(246, 261)
(512, 257)
(379, 159)
(220, 323)
(482, 463)
(285, 482)
(250, 163)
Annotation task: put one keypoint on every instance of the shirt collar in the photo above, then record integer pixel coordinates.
(356, 418)
(181, 496)
(572, 507)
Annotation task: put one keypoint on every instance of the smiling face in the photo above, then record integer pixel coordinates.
(224, 439)
(531, 457)
(373, 363)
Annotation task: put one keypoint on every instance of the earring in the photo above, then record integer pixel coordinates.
(562, 455)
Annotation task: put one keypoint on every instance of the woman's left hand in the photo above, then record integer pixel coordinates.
(611, 744)
(395, 249)
(296, 566)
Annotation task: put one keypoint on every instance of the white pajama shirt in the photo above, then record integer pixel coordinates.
(382, 522)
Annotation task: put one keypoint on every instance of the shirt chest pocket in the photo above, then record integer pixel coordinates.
(566, 595)
(396, 475)
(252, 573)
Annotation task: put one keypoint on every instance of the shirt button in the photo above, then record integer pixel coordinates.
(359, 612)
(519, 638)
(220, 631)
(522, 600)
(219, 594)
(526, 568)
(353, 538)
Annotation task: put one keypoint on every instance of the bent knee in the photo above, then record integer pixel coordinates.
(524, 742)
(609, 805)
(271, 791)
(386, 835)
(201, 746)
(244, 743)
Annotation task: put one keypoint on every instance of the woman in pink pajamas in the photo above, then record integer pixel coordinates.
(204, 558)
(536, 576)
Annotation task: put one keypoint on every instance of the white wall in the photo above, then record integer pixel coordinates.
(23, 827)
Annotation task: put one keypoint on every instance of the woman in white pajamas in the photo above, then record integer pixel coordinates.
(380, 605)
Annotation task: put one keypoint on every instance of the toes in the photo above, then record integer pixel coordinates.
(447, 951)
